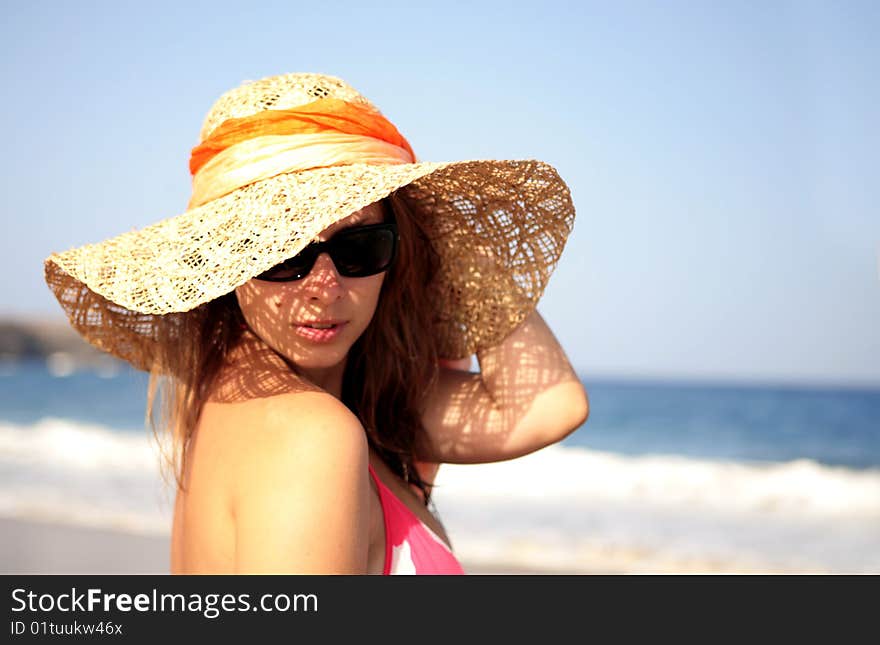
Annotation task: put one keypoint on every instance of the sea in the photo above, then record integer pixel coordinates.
(664, 477)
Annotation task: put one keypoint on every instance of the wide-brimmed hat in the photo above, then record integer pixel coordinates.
(280, 160)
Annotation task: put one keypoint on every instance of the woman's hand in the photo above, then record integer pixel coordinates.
(526, 397)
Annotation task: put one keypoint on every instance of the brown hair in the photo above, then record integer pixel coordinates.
(393, 365)
(389, 370)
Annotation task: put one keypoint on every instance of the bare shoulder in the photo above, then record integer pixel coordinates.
(300, 486)
(307, 426)
(301, 433)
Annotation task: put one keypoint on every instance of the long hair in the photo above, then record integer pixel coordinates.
(393, 365)
(389, 370)
(191, 352)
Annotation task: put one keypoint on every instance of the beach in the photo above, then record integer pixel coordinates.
(42, 547)
(33, 546)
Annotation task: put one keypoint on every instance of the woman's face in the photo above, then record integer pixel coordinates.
(289, 316)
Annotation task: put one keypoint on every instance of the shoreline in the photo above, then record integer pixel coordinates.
(45, 547)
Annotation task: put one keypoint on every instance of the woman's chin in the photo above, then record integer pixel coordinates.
(318, 363)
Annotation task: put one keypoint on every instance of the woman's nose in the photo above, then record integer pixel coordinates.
(323, 281)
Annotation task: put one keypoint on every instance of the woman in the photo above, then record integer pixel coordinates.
(295, 318)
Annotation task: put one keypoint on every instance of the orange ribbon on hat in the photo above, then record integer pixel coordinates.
(322, 115)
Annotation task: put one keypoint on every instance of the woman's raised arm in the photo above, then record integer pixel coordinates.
(526, 397)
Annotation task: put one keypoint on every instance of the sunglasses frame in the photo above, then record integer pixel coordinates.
(315, 249)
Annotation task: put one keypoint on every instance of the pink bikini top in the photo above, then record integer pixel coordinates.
(410, 546)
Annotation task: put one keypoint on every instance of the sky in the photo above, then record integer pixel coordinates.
(722, 157)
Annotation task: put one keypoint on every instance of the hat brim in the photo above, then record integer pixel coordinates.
(498, 226)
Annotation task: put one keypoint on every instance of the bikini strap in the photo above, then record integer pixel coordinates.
(373, 474)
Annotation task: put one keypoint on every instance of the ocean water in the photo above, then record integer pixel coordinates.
(661, 478)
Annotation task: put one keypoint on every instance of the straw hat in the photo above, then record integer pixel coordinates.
(499, 227)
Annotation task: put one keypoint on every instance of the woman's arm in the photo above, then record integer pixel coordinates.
(526, 397)
(301, 493)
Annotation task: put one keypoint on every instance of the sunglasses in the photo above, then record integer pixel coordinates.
(357, 252)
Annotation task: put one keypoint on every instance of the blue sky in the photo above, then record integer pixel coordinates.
(722, 156)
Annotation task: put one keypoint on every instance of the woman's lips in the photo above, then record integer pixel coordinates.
(316, 335)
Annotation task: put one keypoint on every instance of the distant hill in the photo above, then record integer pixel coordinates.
(35, 339)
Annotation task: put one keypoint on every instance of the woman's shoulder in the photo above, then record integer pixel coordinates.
(298, 478)
(267, 422)
(282, 428)
(313, 417)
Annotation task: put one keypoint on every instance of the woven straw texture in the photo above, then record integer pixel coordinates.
(499, 228)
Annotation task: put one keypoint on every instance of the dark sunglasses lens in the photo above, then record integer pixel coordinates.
(358, 254)
(294, 268)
